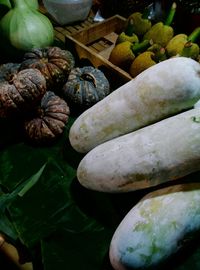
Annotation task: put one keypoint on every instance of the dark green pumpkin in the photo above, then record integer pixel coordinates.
(86, 86)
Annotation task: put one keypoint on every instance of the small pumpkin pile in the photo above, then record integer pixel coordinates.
(24, 92)
(39, 89)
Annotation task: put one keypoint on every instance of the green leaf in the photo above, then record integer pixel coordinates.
(19, 162)
(6, 227)
(32, 181)
(41, 208)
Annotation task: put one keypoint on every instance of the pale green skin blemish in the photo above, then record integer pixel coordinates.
(195, 119)
(156, 227)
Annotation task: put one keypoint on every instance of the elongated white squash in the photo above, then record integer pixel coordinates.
(156, 228)
(162, 90)
(158, 153)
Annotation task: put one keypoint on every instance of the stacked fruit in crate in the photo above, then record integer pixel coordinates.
(144, 43)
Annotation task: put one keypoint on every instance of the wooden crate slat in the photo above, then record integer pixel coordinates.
(64, 31)
(90, 34)
(96, 42)
(97, 46)
(59, 36)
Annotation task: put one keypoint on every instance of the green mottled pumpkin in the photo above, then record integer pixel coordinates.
(48, 120)
(86, 86)
(53, 62)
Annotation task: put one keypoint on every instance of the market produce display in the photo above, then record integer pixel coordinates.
(165, 221)
(94, 175)
(143, 158)
(160, 91)
(35, 111)
(161, 42)
(40, 88)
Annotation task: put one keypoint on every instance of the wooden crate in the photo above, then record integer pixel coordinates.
(94, 42)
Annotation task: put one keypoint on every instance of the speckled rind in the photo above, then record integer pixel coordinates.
(158, 153)
(156, 227)
(164, 89)
(86, 86)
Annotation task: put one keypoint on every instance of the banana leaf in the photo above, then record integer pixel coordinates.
(62, 224)
(42, 204)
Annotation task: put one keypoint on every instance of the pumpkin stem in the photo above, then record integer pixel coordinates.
(11, 78)
(88, 77)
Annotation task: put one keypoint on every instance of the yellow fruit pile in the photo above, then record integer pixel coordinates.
(143, 44)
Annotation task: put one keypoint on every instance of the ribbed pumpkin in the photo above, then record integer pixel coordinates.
(20, 90)
(53, 62)
(86, 86)
(48, 120)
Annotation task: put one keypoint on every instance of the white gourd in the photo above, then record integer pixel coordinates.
(157, 227)
(164, 89)
(158, 153)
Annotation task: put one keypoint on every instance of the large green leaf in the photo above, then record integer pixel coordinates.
(37, 211)
(19, 161)
(43, 205)
(6, 227)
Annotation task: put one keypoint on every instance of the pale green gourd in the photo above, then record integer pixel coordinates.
(31, 3)
(24, 28)
(5, 6)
